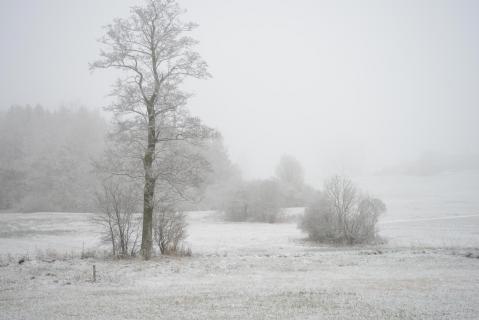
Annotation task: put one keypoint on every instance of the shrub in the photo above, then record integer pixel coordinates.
(341, 214)
(170, 231)
(117, 203)
(257, 201)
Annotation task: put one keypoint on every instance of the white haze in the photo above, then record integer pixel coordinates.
(354, 87)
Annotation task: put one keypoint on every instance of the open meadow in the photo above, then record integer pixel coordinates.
(240, 271)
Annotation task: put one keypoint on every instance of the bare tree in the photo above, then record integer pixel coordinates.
(117, 203)
(154, 50)
(342, 214)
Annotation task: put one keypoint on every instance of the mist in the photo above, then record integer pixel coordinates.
(344, 87)
(220, 159)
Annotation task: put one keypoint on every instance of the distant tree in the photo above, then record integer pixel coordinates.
(289, 171)
(235, 206)
(156, 53)
(265, 203)
(45, 158)
(258, 201)
(295, 192)
(341, 214)
(222, 178)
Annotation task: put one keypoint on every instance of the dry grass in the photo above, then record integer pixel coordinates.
(245, 271)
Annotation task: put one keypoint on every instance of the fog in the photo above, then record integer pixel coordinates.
(326, 151)
(348, 87)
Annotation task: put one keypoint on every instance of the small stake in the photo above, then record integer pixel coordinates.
(94, 273)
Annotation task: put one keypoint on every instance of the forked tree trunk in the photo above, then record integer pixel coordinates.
(149, 188)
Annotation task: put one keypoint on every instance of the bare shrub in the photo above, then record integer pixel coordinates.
(342, 214)
(88, 253)
(170, 231)
(183, 250)
(118, 202)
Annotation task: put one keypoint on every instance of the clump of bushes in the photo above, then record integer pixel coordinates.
(256, 201)
(170, 231)
(342, 214)
(117, 203)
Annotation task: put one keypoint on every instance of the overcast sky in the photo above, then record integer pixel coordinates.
(345, 86)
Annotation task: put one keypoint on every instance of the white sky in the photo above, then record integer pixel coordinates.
(345, 86)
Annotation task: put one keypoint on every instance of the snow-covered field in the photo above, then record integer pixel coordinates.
(242, 271)
(33, 233)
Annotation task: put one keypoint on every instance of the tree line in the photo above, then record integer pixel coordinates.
(45, 158)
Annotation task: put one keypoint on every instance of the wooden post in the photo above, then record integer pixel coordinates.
(94, 273)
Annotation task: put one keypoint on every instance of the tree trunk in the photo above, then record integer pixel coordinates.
(149, 188)
(147, 234)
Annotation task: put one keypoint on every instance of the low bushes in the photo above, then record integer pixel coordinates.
(257, 201)
(341, 214)
(117, 203)
(170, 231)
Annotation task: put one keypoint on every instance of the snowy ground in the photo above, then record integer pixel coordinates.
(428, 270)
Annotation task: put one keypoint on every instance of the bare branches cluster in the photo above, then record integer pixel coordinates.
(170, 230)
(342, 214)
(118, 203)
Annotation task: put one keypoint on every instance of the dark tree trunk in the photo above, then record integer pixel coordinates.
(149, 188)
(147, 234)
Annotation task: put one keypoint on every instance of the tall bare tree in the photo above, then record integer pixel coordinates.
(156, 53)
